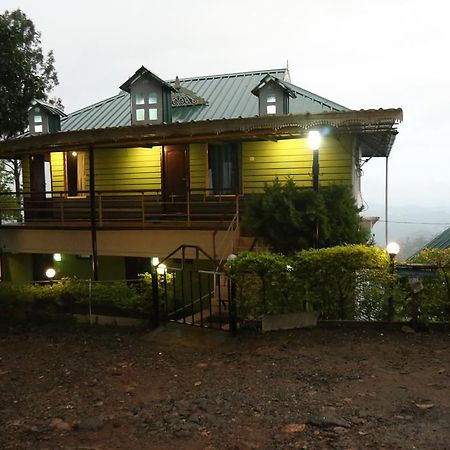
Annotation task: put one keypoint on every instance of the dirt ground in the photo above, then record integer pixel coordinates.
(185, 388)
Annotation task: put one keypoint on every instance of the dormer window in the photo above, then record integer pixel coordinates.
(44, 118)
(271, 104)
(150, 98)
(141, 106)
(38, 123)
(273, 95)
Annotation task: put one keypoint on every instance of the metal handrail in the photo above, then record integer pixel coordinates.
(135, 205)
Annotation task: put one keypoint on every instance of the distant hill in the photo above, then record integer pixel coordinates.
(419, 225)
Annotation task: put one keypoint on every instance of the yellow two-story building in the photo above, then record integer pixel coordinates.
(167, 163)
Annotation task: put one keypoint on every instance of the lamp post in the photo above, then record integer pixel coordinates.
(392, 249)
(314, 139)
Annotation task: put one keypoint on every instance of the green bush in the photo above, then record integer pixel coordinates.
(434, 300)
(346, 282)
(289, 218)
(52, 301)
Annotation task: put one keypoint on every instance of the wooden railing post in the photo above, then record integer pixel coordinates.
(143, 208)
(188, 197)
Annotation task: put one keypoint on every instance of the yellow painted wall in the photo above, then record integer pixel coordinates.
(57, 165)
(263, 161)
(198, 164)
(140, 168)
(131, 168)
(116, 169)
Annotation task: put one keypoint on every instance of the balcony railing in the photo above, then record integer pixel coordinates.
(199, 208)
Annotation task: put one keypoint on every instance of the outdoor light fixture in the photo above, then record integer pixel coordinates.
(161, 269)
(74, 154)
(50, 273)
(155, 261)
(314, 139)
(57, 257)
(393, 248)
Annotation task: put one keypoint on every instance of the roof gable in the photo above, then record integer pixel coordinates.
(51, 109)
(143, 72)
(269, 79)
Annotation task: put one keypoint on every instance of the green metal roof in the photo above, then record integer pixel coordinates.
(228, 96)
(52, 109)
(442, 241)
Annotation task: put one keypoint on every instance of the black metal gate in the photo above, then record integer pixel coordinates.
(193, 291)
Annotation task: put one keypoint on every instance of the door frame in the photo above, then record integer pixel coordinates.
(164, 170)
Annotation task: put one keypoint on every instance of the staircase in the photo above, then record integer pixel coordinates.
(249, 244)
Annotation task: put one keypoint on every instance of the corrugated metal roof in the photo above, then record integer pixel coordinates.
(52, 109)
(228, 96)
(442, 241)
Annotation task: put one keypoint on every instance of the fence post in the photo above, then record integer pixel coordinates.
(155, 320)
(232, 310)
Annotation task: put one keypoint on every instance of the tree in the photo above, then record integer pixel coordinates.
(8, 202)
(25, 74)
(287, 217)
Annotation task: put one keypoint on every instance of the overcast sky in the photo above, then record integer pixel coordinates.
(359, 53)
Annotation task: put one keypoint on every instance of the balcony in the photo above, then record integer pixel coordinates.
(128, 223)
(128, 209)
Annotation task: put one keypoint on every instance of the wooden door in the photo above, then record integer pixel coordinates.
(35, 206)
(37, 176)
(175, 175)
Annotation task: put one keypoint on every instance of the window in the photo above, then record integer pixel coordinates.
(38, 128)
(152, 114)
(48, 179)
(271, 109)
(140, 114)
(139, 99)
(75, 173)
(223, 168)
(152, 99)
(271, 104)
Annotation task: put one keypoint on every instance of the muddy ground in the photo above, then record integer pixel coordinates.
(183, 388)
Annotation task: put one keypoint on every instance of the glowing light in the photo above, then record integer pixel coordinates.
(50, 273)
(74, 153)
(161, 270)
(155, 261)
(57, 257)
(393, 248)
(314, 139)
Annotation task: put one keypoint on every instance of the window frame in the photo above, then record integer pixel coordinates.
(230, 152)
(80, 174)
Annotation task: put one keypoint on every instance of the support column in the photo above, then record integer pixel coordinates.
(92, 202)
(386, 192)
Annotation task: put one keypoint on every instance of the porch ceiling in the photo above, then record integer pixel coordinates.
(377, 129)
